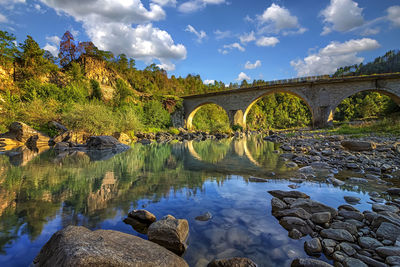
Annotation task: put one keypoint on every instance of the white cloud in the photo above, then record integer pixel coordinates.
(165, 2)
(168, 66)
(195, 5)
(209, 82)
(242, 76)
(200, 35)
(394, 15)
(247, 37)
(3, 18)
(370, 31)
(333, 56)
(109, 26)
(37, 7)
(52, 45)
(229, 47)
(342, 15)
(276, 19)
(267, 41)
(222, 34)
(254, 65)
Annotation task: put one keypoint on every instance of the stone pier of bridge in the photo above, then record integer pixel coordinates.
(321, 96)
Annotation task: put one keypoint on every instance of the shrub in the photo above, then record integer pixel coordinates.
(96, 90)
(154, 115)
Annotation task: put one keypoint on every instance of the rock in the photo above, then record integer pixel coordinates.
(204, 217)
(353, 262)
(339, 256)
(393, 191)
(335, 181)
(369, 261)
(313, 246)
(286, 148)
(78, 246)
(389, 217)
(297, 212)
(290, 223)
(351, 199)
(337, 234)
(143, 216)
(170, 233)
(372, 176)
(277, 204)
(309, 263)
(347, 248)
(122, 138)
(347, 214)
(354, 145)
(393, 260)
(232, 262)
(103, 142)
(380, 208)
(306, 170)
(321, 217)
(22, 133)
(291, 165)
(357, 180)
(388, 251)
(369, 242)
(292, 194)
(388, 231)
(62, 146)
(137, 225)
(295, 234)
(312, 206)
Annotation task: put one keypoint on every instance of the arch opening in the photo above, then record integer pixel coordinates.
(366, 105)
(208, 117)
(278, 109)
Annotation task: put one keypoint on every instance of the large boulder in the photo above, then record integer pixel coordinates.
(292, 194)
(72, 136)
(358, 145)
(103, 142)
(79, 246)
(312, 206)
(21, 133)
(170, 233)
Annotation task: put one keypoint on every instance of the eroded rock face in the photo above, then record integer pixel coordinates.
(79, 246)
(170, 233)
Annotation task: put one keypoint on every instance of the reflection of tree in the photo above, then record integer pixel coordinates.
(212, 151)
(88, 191)
(263, 153)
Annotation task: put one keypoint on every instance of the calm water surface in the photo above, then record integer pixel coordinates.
(42, 193)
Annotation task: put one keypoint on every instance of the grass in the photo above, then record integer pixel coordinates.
(387, 126)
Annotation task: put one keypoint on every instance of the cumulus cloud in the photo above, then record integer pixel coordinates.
(109, 26)
(334, 55)
(254, 65)
(165, 2)
(222, 34)
(200, 35)
(247, 37)
(209, 82)
(267, 41)
(52, 45)
(341, 15)
(3, 18)
(195, 5)
(230, 47)
(242, 76)
(394, 15)
(276, 19)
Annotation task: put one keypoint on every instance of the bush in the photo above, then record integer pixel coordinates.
(96, 90)
(154, 115)
(211, 118)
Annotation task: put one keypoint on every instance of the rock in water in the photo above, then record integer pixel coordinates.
(103, 142)
(309, 263)
(282, 194)
(143, 215)
(232, 262)
(79, 246)
(358, 145)
(205, 217)
(170, 233)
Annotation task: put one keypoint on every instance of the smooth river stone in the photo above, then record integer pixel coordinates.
(337, 234)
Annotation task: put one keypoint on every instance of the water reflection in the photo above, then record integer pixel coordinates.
(43, 193)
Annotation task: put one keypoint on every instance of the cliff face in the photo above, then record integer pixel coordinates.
(6, 78)
(99, 71)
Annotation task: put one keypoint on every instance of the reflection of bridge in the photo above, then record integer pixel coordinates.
(238, 159)
(321, 96)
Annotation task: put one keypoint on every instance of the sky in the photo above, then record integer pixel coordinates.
(223, 40)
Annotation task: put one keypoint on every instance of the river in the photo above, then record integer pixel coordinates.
(44, 192)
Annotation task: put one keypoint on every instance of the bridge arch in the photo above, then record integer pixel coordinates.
(382, 90)
(297, 94)
(190, 115)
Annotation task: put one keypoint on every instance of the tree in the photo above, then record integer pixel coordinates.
(122, 93)
(96, 90)
(7, 48)
(69, 49)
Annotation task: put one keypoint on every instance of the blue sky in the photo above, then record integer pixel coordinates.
(224, 40)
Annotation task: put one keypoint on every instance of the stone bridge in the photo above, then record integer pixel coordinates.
(322, 96)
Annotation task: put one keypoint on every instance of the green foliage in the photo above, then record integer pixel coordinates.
(386, 126)
(122, 93)
(212, 118)
(7, 48)
(237, 127)
(96, 90)
(154, 115)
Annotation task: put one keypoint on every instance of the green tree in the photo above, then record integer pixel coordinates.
(96, 90)
(122, 93)
(7, 48)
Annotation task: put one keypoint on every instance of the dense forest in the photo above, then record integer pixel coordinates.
(91, 90)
